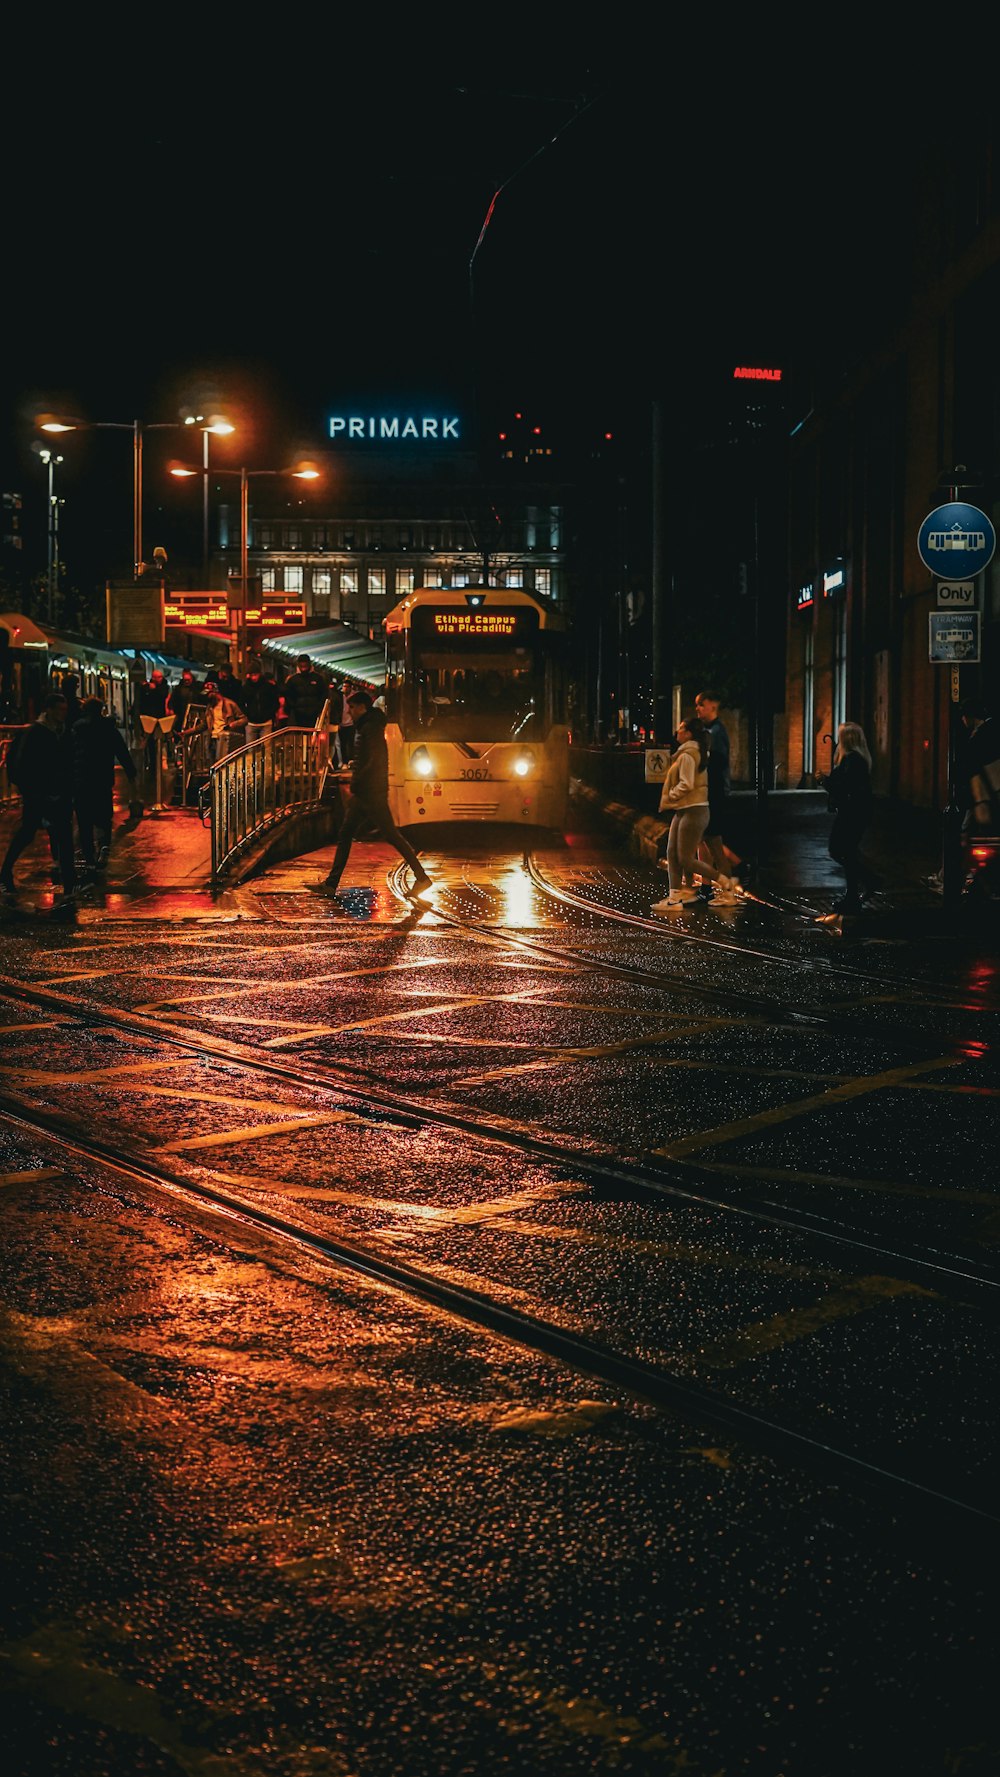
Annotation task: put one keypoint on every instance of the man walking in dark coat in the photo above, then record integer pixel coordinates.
(369, 794)
(42, 772)
(98, 746)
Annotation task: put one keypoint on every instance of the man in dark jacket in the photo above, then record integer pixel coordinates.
(42, 772)
(185, 691)
(98, 746)
(369, 795)
(259, 702)
(303, 694)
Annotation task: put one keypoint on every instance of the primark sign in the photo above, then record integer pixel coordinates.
(396, 428)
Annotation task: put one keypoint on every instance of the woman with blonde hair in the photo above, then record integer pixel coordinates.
(849, 787)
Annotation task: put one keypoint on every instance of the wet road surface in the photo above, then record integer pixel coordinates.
(267, 1515)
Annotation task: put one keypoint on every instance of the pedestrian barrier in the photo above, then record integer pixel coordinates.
(255, 787)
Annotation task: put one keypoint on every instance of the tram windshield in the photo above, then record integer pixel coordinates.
(480, 686)
(492, 696)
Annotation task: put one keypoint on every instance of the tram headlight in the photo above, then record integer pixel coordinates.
(422, 763)
(524, 763)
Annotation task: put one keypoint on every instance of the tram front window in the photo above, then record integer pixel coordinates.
(488, 698)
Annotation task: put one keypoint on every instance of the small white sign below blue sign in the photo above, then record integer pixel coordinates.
(953, 637)
(956, 537)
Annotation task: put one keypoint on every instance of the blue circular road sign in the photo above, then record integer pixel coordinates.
(956, 541)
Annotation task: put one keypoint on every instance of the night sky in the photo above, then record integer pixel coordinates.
(295, 226)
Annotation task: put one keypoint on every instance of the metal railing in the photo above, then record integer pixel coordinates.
(256, 786)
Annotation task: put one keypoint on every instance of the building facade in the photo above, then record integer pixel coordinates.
(911, 421)
(381, 524)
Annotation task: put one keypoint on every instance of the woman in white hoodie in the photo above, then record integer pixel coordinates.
(685, 796)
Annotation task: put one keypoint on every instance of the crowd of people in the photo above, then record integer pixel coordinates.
(63, 764)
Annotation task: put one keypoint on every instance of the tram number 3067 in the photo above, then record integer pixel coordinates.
(474, 774)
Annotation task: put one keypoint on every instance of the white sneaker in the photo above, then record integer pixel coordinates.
(672, 904)
(724, 898)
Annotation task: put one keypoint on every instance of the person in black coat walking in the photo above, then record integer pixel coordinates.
(369, 794)
(42, 771)
(98, 746)
(849, 787)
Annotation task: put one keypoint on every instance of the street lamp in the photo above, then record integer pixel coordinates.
(302, 472)
(50, 459)
(51, 422)
(221, 428)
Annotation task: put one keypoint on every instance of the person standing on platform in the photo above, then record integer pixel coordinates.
(70, 689)
(226, 723)
(42, 772)
(713, 847)
(368, 803)
(183, 693)
(303, 695)
(345, 733)
(229, 685)
(259, 702)
(849, 788)
(98, 746)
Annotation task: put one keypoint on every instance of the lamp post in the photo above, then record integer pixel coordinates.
(50, 459)
(301, 472)
(221, 428)
(50, 422)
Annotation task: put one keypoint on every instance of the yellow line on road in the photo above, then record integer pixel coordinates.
(28, 1178)
(824, 1101)
(782, 1330)
(252, 1132)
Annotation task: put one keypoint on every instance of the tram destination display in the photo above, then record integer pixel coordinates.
(490, 624)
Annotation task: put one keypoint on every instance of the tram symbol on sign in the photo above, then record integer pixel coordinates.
(956, 536)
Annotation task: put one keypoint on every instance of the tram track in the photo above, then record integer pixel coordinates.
(904, 1495)
(779, 1013)
(951, 1271)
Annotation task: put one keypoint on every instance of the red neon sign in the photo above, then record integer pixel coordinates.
(752, 374)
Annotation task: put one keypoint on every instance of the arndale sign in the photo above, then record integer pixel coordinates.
(424, 428)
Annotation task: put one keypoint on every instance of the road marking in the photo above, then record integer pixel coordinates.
(251, 1132)
(27, 1178)
(852, 1089)
(782, 1330)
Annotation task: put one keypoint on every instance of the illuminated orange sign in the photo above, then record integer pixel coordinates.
(475, 623)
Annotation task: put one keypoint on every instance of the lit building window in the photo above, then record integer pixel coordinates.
(513, 577)
(404, 582)
(267, 579)
(543, 580)
(460, 577)
(348, 583)
(321, 585)
(432, 577)
(294, 577)
(376, 583)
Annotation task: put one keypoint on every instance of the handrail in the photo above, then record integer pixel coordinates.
(255, 786)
